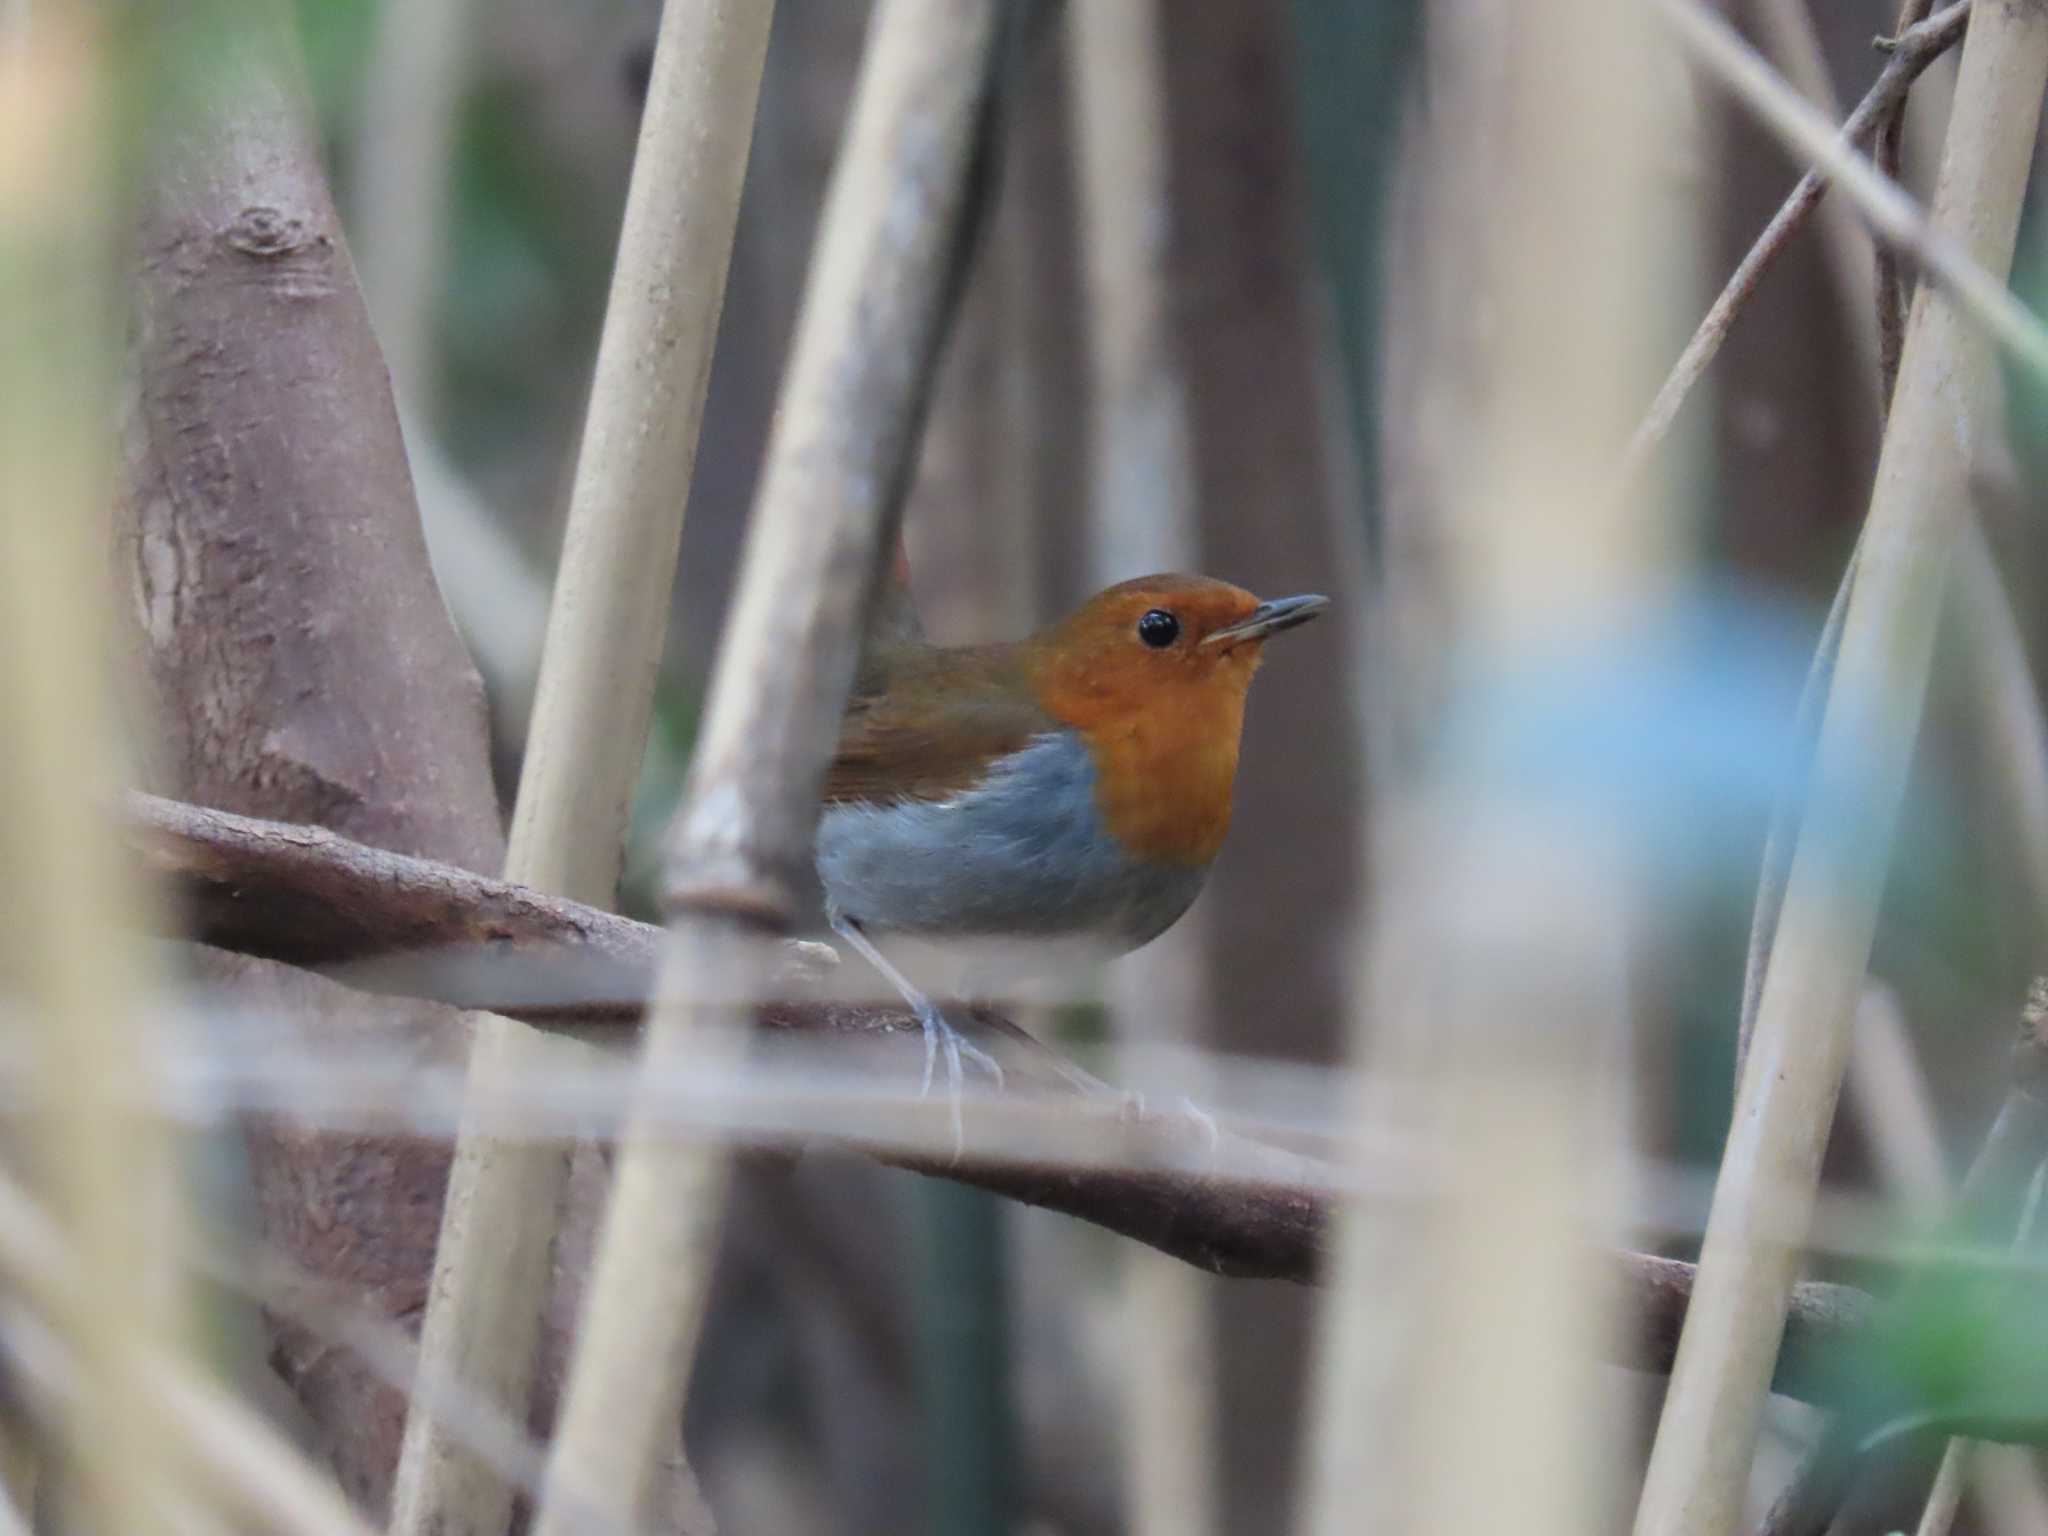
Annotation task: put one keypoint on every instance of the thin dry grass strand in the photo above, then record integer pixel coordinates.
(1948, 389)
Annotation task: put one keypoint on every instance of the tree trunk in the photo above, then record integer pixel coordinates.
(299, 662)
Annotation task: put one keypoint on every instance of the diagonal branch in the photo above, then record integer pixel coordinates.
(313, 899)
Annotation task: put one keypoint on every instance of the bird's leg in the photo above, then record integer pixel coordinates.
(937, 1031)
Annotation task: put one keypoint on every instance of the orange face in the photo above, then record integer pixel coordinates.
(1154, 672)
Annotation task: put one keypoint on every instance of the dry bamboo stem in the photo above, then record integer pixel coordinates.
(829, 500)
(1893, 215)
(1143, 518)
(1435, 1366)
(493, 1265)
(80, 984)
(1948, 383)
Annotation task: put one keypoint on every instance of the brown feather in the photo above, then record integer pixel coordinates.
(926, 721)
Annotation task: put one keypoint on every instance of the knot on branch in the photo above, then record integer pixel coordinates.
(268, 233)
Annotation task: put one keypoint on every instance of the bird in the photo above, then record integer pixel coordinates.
(1073, 785)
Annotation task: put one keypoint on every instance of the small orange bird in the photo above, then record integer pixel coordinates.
(1075, 785)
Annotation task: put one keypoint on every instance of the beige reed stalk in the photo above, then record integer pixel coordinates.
(1454, 1393)
(1946, 394)
(825, 519)
(1143, 518)
(493, 1267)
(72, 978)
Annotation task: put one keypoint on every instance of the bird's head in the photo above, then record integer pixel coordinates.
(1153, 673)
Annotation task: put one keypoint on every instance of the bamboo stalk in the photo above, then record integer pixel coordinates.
(1143, 517)
(878, 292)
(493, 1265)
(1947, 391)
(1433, 1365)
(67, 954)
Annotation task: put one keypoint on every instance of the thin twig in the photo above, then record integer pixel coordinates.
(1915, 48)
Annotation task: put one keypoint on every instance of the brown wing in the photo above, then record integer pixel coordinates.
(924, 722)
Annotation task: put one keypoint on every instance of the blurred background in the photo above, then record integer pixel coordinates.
(1302, 319)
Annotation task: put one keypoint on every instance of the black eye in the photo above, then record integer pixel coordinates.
(1159, 629)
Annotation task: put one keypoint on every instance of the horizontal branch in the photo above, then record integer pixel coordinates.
(406, 926)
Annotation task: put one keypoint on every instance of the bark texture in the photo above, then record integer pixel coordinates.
(299, 661)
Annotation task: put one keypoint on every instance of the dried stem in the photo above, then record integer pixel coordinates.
(494, 1262)
(1915, 49)
(880, 288)
(1947, 390)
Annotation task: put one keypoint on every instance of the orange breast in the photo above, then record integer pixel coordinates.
(1165, 760)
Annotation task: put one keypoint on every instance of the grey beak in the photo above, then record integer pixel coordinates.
(1269, 619)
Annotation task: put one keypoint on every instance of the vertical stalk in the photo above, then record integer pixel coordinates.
(1764, 1198)
(880, 287)
(1143, 518)
(493, 1265)
(71, 973)
(1454, 1393)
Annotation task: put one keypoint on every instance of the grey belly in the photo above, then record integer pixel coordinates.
(1023, 853)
